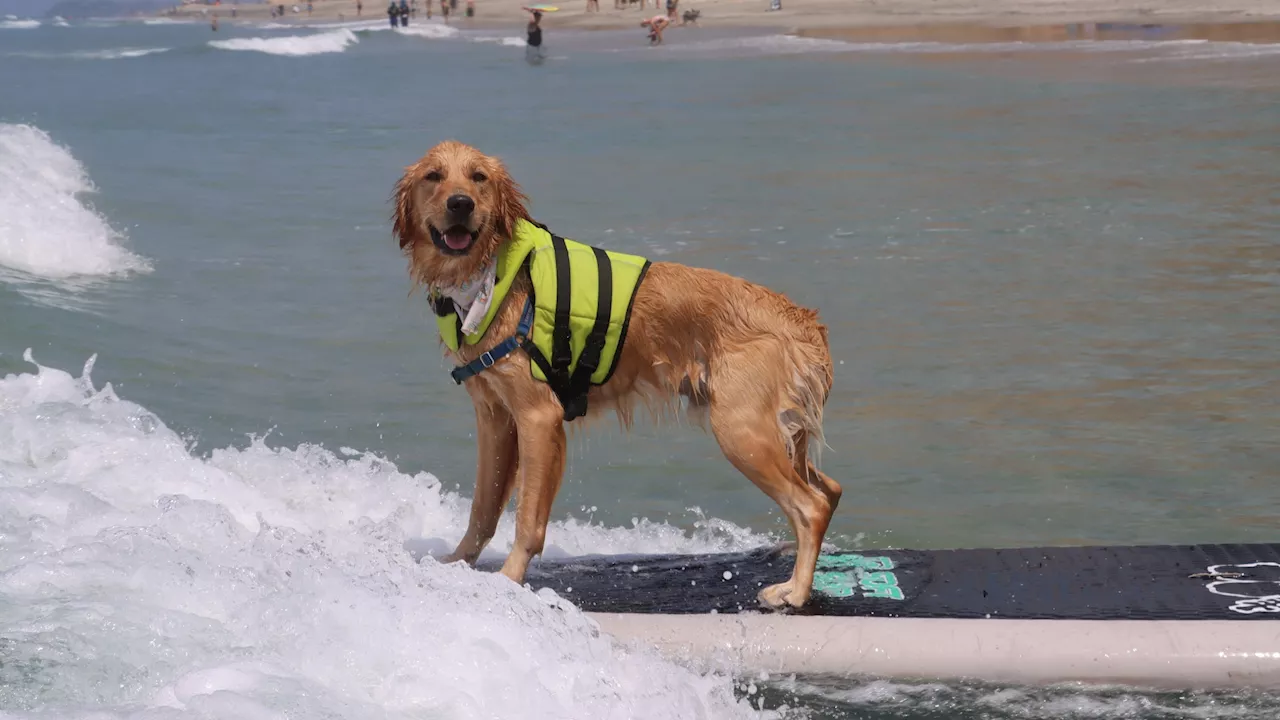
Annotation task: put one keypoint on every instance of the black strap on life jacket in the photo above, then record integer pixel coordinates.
(572, 389)
(443, 306)
(589, 360)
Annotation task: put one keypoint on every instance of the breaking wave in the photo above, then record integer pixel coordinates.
(46, 231)
(333, 41)
(138, 579)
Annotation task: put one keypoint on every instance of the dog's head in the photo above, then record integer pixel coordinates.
(453, 209)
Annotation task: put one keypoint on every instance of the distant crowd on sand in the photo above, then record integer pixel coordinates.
(400, 11)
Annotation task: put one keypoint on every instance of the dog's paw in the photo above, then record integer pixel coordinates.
(783, 596)
(455, 556)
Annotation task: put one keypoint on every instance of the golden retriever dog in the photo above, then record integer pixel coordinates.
(742, 358)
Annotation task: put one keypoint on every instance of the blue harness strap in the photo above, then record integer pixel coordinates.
(499, 351)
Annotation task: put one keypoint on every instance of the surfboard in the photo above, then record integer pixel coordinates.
(1165, 582)
(1167, 615)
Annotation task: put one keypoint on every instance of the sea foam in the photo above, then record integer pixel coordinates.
(139, 579)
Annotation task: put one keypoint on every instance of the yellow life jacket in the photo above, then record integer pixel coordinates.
(575, 319)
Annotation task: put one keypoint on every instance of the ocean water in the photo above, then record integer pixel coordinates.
(1050, 275)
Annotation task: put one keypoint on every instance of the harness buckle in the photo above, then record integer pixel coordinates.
(486, 360)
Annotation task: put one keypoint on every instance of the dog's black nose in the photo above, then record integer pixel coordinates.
(460, 204)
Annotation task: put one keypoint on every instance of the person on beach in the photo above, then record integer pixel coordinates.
(359, 7)
(393, 13)
(656, 25)
(404, 13)
(471, 8)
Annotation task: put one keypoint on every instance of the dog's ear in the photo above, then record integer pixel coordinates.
(510, 203)
(404, 224)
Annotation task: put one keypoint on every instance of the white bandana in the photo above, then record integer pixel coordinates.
(472, 298)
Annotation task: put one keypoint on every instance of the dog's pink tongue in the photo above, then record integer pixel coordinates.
(457, 240)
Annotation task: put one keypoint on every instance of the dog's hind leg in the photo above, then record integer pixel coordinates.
(744, 420)
(810, 472)
(542, 459)
(497, 440)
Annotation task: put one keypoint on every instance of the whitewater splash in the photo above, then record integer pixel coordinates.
(16, 24)
(356, 25)
(138, 579)
(1196, 50)
(432, 31)
(496, 40)
(334, 41)
(337, 39)
(45, 231)
(1184, 49)
(118, 53)
(109, 54)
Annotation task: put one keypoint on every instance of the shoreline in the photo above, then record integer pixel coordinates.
(864, 20)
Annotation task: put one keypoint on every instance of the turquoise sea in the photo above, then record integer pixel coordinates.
(1050, 273)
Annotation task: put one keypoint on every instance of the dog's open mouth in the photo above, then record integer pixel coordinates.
(455, 240)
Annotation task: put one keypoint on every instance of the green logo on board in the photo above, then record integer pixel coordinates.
(854, 575)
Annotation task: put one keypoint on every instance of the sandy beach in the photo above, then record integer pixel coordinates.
(953, 20)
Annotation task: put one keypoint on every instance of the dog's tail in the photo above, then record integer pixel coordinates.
(811, 374)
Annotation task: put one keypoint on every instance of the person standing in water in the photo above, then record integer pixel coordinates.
(404, 13)
(534, 31)
(533, 52)
(393, 13)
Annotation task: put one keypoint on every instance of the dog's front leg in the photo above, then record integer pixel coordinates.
(495, 477)
(542, 458)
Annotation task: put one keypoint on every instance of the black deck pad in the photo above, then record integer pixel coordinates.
(1166, 582)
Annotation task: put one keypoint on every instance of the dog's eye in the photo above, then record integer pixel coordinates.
(433, 176)
(479, 177)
